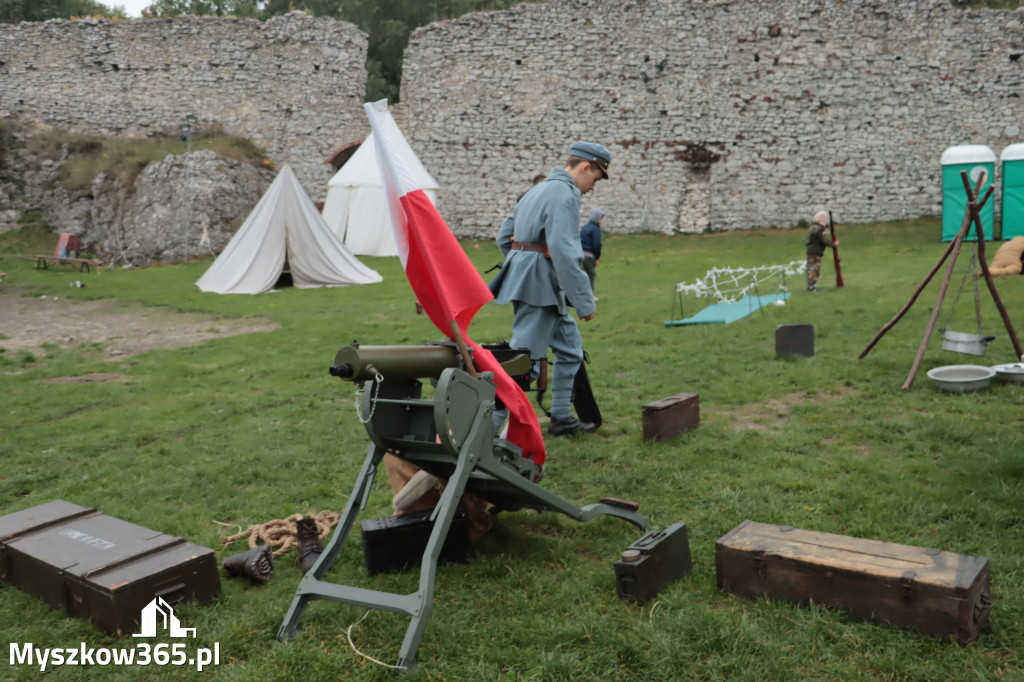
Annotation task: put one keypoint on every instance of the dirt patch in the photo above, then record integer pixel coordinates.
(122, 330)
(771, 414)
(96, 377)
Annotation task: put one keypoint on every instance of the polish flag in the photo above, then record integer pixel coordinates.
(443, 278)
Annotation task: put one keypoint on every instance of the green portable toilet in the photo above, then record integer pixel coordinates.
(1011, 163)
(973, 158)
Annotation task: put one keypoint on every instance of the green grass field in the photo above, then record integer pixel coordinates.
(207, 440)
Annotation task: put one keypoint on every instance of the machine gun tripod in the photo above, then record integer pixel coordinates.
(451, 437)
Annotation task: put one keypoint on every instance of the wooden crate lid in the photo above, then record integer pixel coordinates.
(857, 555)
(670, 401)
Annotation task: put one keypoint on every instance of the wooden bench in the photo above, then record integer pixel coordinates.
(82, 263)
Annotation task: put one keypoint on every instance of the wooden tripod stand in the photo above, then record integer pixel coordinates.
(973, 216)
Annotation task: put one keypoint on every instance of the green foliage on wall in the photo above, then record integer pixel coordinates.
(14, 11)
(83, 157)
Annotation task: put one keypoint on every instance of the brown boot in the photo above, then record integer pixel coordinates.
(257, 564)
(481, 519)
(310, 547)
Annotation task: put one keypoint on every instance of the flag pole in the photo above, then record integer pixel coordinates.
(467, 359)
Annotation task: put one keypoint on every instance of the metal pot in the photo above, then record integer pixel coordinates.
(1012, 373)
(968, 344)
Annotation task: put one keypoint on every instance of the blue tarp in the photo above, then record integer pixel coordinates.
(729, 312)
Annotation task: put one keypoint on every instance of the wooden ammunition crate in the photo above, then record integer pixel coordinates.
(938, 593)
(668, 417)
(100, 568)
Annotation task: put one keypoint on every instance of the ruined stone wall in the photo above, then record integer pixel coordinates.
(721, 115)
(293, 84)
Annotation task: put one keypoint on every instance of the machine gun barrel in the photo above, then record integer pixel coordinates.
(355, 363)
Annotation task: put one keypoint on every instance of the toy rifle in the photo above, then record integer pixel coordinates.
(835, 251)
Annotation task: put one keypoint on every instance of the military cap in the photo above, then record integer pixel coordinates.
(593, 152)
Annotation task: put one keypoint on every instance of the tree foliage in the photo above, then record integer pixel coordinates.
(204, 8)
(14, 11)
(389, 23)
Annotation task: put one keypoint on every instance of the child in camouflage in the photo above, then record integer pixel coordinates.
(817, 239)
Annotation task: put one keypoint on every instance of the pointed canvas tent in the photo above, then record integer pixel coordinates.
(284, 223)
(356, 209)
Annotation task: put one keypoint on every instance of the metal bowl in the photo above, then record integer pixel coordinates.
(1012, 373)
(961, 378)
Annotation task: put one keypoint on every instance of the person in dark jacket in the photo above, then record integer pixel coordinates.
(537, 179)
(590, 240)
(817, 239)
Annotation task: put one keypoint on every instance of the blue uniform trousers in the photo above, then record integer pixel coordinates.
(540, 328)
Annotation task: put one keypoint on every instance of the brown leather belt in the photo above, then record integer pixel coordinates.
(530, 246)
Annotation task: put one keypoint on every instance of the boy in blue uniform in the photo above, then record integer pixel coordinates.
(543, 274)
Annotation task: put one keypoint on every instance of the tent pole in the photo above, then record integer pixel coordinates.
(463, 349)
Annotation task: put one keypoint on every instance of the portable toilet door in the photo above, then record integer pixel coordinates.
(1011, 163)
(973, 158)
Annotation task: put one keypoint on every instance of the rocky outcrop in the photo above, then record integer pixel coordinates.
(182, 207)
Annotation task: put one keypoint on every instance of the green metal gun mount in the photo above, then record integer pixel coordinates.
(450, 436)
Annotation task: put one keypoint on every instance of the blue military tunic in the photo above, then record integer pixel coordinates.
(548, 214)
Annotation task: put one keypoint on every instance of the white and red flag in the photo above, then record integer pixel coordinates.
(444, 280)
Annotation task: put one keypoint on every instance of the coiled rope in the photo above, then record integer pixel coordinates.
(281, 534)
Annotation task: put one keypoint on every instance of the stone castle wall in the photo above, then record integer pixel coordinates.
(293, 84)
(721, 115)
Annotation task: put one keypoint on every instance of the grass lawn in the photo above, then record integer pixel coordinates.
(206, 440)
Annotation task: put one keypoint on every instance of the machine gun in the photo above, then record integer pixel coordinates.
(450, 436)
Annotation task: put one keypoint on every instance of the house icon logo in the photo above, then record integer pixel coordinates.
(159, 613)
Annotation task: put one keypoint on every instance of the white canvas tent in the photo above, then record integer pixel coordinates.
(284, 223)
(356, 209)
